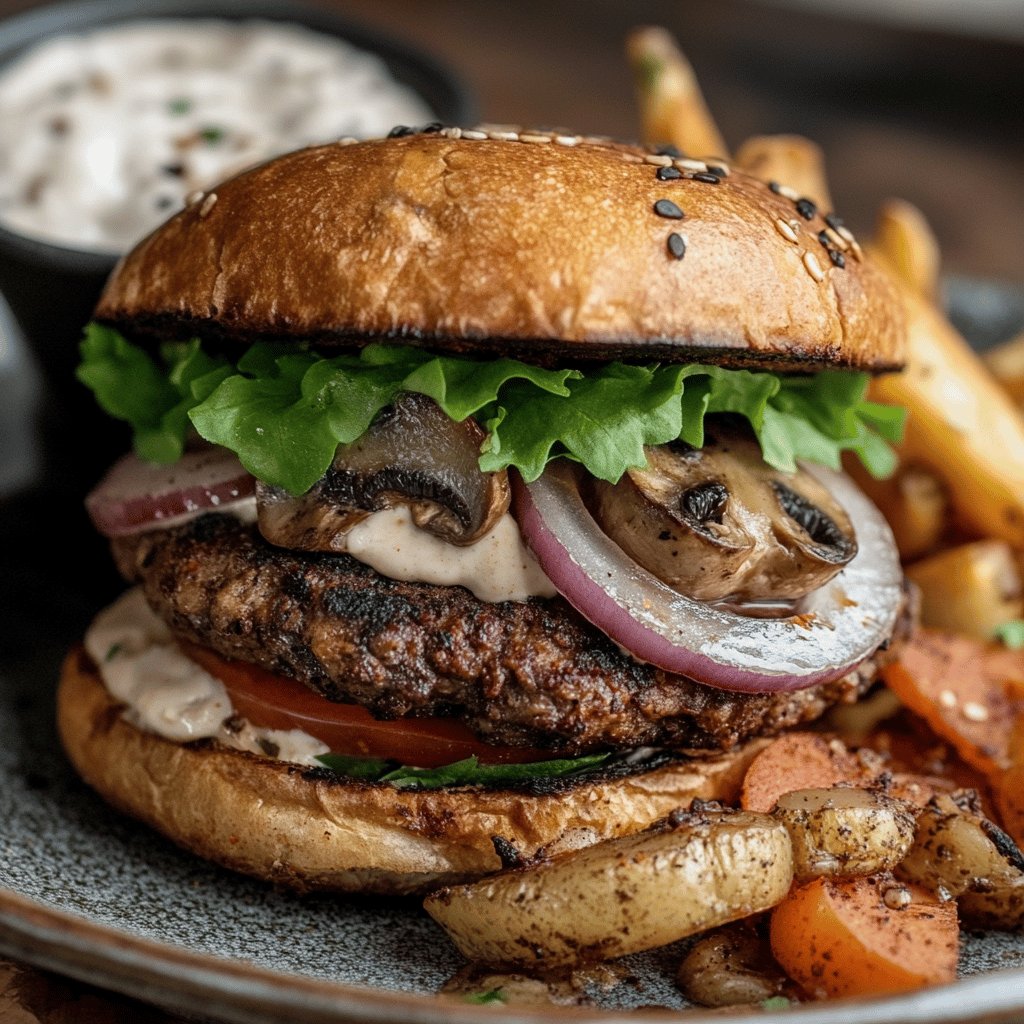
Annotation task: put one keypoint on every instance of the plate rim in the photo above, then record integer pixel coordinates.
(182, 980)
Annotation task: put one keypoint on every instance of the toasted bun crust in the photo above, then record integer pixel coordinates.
(519, 246)
(306, 830)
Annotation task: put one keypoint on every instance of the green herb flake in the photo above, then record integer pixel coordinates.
(284, 411)
(1011, 634)
(211, 135)
(495, 995)
(776, 1003)
(648, 69)
(113, 651)
(367, 769)
(179, 106)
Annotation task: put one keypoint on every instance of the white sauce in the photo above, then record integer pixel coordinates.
(498, 567)
(106, 133)
(166, 693)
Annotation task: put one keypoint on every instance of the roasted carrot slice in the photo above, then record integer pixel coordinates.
(799, 760)
(853, 937)
(969, 693)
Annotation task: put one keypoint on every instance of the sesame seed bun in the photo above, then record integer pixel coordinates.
(306, 830)
(530, 244)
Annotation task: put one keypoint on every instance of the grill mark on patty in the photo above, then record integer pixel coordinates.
(528, 673)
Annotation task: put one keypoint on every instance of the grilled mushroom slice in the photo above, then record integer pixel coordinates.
(413, 455)
(718, 523)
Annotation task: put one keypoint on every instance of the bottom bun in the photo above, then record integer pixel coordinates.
(305, 829)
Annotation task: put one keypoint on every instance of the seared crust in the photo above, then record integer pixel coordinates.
(548, 251)
(524, 674)
(308, 830)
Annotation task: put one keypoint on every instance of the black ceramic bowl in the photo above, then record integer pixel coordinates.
(52, 289)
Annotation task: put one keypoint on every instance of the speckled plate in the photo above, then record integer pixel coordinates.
(87, 893)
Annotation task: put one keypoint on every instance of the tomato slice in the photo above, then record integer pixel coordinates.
(271, 701)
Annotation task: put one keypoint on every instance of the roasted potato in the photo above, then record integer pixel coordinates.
(970, 589)
(731, 966)
(844, 831)
(1006, 361)
(912, 249)
(959, 853)
(696, 870)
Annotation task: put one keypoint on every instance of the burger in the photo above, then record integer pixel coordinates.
(486, 500)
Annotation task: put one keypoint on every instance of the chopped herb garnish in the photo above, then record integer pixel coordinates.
(776, 1003)
(481, 998)
(211, 136)
(179, 106)
(648, 70)
(468, 772)
(285, 411)
(113, 651)
(1011, 634)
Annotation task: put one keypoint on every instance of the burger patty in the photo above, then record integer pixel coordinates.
(531, 673)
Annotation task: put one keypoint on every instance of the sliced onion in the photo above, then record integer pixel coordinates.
(838, 626)
(136, 495)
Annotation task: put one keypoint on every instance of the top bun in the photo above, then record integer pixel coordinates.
(546, 246)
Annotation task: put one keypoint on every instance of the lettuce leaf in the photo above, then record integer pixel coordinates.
(468, 772)
(284, 411)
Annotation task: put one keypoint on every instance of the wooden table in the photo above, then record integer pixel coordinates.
(933, 119)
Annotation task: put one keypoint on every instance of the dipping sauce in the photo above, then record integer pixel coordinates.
(105, 134)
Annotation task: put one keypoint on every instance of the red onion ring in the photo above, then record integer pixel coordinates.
(839, 625)
(136, 495)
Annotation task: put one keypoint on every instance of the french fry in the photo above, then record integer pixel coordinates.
(790, 160)
(962, 426)
(970, 589)
(910, 246)
(1006, 361)
(672, 107)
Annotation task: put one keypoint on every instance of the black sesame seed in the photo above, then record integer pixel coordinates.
(669, 150)
(175, 170)
(775, 187)
(677, 245)
(824, 239)
(837, 258)
(669, 173)
(807, 208)
(833, 221)
(708, 178)
(401, 130)
(432, 128)
(719, 172)
(164, 202)
(666, 208)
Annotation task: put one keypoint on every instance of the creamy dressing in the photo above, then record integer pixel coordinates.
(498, 567)
(106, 133)
(166, 693)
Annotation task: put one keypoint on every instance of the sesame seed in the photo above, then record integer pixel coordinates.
(531, 137)
(837, 258)
(834, 221)
(807, 208)
(947, 698)
(784, 190)
(786, 231)
(835, 239)
(677, 245)
(193, 197)
(658, 159)
(718, 170)
(813, 266)
(452, 133)
(896, 897)
(691, 165)
(208, 204)
(666, 208)
(503, 136)
(669, 150)
(347, 140)
(975, 712)
(668, 174)
(431, 128)
(472, 133)
(401, 130)
(708, 179)
(567, 140)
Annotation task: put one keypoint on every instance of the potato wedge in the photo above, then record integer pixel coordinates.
(731, 966)
(698, 869)
(959, 853)
(962, 426)
(970, 589)
(844, 831)
(1006, 361)
(672, 107)
(790, 160)
(911, 247)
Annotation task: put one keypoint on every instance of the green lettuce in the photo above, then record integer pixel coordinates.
(468, 772)
(284, 411)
